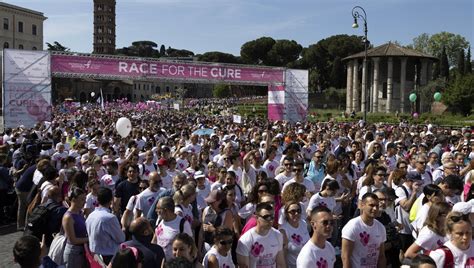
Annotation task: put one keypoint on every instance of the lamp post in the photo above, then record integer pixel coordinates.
(356, 15)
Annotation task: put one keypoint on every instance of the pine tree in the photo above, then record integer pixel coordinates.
(461, 62)
(162, 50)
(444, 65)
(435, 70)
(467, 65)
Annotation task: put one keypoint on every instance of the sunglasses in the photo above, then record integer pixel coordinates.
(328, 222)
(262, 190)
(381, 175)
(402, 167)
(226, 242)
(421, 162)
(318, 156)
(459, 218)
(297, 169)
(294, 211)
(269, 217)
(142, 188)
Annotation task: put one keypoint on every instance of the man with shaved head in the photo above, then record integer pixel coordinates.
(142, 234)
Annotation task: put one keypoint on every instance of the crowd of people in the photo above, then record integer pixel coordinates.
(250, 194)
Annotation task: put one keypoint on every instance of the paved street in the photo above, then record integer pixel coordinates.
(8, 237)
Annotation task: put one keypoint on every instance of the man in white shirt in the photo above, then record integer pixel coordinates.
(148, 166)
(363, 237)
(146, 198)
(261, 246)
(318, 252)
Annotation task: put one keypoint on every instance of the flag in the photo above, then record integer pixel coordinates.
(102, 100)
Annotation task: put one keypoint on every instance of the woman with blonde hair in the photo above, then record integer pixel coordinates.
(433, 234)
(459, 250)
(183, 199)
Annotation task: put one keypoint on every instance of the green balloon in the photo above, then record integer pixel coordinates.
(437, 96)
(412, 97)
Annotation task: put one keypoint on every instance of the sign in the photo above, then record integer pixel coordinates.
(154, 69)
(26, 87)
(237, 119)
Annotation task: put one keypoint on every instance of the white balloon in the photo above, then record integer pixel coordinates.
(92, 94)
(123, 126)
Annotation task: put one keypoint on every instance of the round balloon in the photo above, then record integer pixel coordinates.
(412, 97)
(437, 96)
(415, 115)
(123, 126)
(92, 94)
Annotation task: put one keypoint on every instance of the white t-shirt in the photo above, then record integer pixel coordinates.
(270, 167)
(146, 169)
(91, 202)
(58, 157)
(145, 199)
(261, 250)
(462, 258)
(247, 210)
(420, 219)
(182, 164)
(365, 189)
(166, 231)
(429, 240)
(313, 256)
(167, 181)
(282, 178)
(317, 200)
(223, 261)
(306, 182)
(297, 237)
(367, 240)
(186, 212)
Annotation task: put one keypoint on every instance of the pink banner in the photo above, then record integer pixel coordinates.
(132, 68)
(276, 112)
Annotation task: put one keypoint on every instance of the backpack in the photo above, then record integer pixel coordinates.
(37, 222)
(143, 168)
(181, 224)
(448, 256)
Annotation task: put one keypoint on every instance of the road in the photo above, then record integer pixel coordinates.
(8, 237)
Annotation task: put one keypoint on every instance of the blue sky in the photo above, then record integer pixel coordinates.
(224, 25)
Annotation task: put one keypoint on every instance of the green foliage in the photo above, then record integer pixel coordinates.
(444, 65)
(337, 71)
(459, 95)
(221, 91)
(141, 49)
(256, 51)
(267, 51)
(162, 51)
(461, 67)
(434, 44)
(467, 65)
(56, 46)
(173, 52)
(215, 56)
(320, 58)
(427, 92)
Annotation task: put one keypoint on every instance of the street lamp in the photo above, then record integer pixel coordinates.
(356, 15)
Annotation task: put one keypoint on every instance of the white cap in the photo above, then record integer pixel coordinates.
(464, 207)
(279, 136)
(92, 147)
(226, 138)
(300, 131)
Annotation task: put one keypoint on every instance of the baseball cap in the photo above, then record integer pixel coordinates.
(199, 174)
(162, 162)
(464, 207)
(92, 147)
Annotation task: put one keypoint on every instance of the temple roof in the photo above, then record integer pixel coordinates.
(391, 50)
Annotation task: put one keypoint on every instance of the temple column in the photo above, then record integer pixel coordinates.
(375, 85)
(403, 78)
(355, 86)
(364, 97)
(349, 89)
(389, 85)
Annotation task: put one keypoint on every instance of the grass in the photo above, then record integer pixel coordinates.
(447, 119)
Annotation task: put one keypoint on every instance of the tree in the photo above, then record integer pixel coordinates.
(283, 53)
(459, 95)
(145, 48)
(173, 52)
(461, 62)
(56, 46)
(337, 80)
(215, 56)
(221, 91)
(256, 51)
(434, 44)
(468, 66)
(444, 65)
(162, 51)
(320, 58)
(426, 93)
